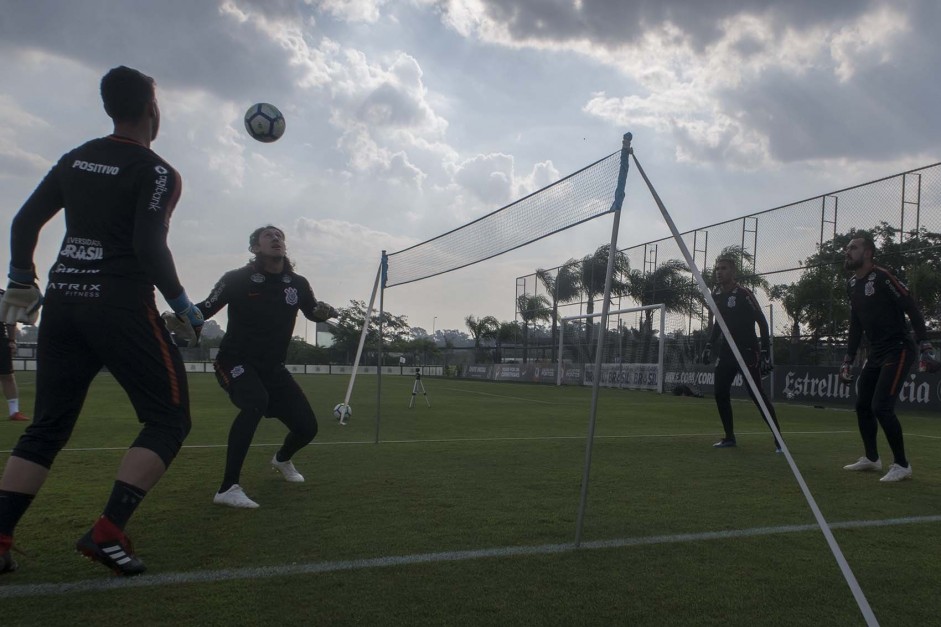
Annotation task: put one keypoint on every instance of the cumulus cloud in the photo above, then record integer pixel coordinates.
(333, 240)
(697, 65)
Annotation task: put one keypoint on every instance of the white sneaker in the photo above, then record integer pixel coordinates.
(287, 469)
(864, 463)
(234, 497)
(898, 473)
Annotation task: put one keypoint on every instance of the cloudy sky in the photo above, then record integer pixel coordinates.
(409, 118)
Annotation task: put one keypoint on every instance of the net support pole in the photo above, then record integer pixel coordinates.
(771, 348)
(605, 307)
(362, 335)
(663, 346)
(383, 267)
(848, 575)
(558, 368)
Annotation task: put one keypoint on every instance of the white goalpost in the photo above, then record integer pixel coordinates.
(620, 367)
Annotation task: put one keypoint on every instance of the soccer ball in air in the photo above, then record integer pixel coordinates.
(264, 122)
(342, 413)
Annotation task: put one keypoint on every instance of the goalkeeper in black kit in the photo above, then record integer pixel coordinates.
(741, 312)
(263, 298)
(879, 303)
(118, 196)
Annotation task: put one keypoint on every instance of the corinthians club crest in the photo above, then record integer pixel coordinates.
(290, 295)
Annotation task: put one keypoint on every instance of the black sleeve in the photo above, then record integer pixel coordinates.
(218, 297)
(308, 302)
(45, 202)
(759, 316)
(905, 301)
(856, 329)
(160, 187)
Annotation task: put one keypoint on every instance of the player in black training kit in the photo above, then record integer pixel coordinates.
(740, 310)
(878, 305)
(99, 311)
(263, 300)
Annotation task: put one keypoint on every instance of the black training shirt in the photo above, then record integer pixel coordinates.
(878, 304)
(741, 312)
(262, 311)
(118, 197)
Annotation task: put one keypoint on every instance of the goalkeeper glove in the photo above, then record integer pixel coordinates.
(185, 321)
(764, 364)
(324, 311)
(846, 370)
(928, 360)
(706, 356)
(22, 300)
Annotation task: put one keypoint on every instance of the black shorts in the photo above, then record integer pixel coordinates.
(269, 389)
(75, 342)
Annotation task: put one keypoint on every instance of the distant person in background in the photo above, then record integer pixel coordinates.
(7, 377)
(879, 303)
(100, 311)
(741, 312)
(263, 298)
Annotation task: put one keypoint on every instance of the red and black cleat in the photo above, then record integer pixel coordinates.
(7, 563)
(108, 545)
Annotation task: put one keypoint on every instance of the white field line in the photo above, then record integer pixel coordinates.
(497, 439)
(8, 591)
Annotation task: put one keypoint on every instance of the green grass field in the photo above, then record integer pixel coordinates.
(465, 514)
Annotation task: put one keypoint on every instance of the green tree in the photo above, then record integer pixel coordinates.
(593, 269)
(481, 329)
(669, 284)
(396, 332)
(507, 332)
(563, 287)
(532, 308)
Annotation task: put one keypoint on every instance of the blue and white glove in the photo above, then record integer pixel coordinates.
(185, 321)
(22, 300)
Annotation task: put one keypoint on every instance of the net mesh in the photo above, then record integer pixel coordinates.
(577, 198)
(790, 257)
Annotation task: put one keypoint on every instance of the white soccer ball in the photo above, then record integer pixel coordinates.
(264, 122)
(342, 413)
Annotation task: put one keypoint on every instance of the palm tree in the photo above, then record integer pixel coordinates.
(532, 308)
(668, 284)
(563, 287)
(484, 328)
(506, 332)
(593, 269)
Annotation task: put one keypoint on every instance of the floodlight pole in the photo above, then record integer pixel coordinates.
(605, 307)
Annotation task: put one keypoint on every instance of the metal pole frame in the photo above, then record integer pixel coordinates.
(605, 307)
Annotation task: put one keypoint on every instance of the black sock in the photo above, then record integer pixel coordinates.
(12, 507)
(124, 500)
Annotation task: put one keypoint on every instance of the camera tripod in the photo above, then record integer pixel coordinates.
(418, 385)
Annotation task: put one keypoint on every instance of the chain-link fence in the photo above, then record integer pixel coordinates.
(790, 256)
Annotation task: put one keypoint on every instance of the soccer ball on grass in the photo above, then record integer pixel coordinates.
(342, 412)
(264, 122)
